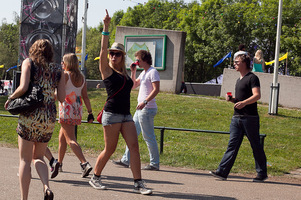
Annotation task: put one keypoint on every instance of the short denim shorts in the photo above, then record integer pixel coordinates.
(109, 118)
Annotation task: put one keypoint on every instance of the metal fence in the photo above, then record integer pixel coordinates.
(162, 130)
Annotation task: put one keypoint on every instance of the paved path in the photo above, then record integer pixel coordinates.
(168, 183)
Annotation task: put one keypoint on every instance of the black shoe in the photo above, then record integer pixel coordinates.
(118, 162)
(55, 169)
(48, 194)
(218, 175)
(260, 178)
(150, 167)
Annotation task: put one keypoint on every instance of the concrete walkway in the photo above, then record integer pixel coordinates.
(168, 183)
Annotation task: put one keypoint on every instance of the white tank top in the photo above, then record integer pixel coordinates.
(70, 87)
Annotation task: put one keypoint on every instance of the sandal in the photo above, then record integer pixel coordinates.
(48, 194)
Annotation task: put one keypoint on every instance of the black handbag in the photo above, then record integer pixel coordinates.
(28, 102)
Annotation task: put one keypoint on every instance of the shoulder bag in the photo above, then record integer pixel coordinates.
(30, 101)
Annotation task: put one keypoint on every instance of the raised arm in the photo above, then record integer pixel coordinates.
(133, 76)
(104, 67)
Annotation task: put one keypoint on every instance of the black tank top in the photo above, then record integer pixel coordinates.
(120, 103)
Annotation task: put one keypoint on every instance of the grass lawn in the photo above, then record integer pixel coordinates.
(191, 149)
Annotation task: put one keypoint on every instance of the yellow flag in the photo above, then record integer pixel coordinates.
(283, 57)
(280, 59)
(97, 58)
(1, 66)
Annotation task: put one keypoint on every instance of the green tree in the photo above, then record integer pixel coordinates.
(9, 43)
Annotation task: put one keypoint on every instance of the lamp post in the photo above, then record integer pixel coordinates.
(84, 19)
(273, 106)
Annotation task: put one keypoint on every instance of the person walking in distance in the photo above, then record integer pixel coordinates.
(149, 82)
(245, 121)
(258, 62)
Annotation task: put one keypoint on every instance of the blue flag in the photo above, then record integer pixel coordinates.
(226, 56)
(11, 68)
(86, 58)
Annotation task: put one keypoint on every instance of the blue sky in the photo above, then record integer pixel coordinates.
(96, 10)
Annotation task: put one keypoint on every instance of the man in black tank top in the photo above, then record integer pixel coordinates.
(245, 121)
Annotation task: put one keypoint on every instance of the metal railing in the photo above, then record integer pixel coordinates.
(162, 130)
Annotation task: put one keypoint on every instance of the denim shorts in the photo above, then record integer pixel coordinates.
(109, 118)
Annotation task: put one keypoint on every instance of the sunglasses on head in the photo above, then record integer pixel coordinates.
(116, 54)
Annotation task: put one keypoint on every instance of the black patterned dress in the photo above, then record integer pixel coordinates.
(38, 125)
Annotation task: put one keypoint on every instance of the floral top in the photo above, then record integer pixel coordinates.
(72, 108)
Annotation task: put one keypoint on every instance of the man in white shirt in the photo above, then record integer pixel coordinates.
(149, 82)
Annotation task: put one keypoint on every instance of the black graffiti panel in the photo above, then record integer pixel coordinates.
(55, 20)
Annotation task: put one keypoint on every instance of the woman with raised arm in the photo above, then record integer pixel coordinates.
(116, 115)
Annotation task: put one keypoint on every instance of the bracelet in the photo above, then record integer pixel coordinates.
(105, 33)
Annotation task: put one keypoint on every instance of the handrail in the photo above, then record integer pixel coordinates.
(162, 129)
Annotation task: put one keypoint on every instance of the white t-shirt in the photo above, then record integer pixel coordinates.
(146, 87)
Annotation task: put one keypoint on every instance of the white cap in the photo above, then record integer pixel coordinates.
(240, 53)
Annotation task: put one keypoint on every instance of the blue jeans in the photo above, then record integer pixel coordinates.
(144, 121)
(239, 126)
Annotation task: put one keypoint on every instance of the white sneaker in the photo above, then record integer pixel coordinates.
(95, 182)
(86, 168)
(139, 187)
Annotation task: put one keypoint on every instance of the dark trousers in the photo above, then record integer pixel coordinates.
(239, 126)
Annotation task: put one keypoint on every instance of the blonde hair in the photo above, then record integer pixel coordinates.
(258, 56)
(71, 64)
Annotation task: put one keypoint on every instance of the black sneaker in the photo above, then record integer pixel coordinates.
(150, 167)
(55, 168)
(260, 178)
(218, 175)
(118, 162)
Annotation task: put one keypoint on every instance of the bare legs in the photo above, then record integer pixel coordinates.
(29, 151)
(130, 136)
(111, 135)
(67, 136)
(48, 154)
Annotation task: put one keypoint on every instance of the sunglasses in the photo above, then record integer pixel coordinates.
(116, 54)
(237, 62)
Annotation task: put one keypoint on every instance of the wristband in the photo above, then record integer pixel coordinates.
(105, 33)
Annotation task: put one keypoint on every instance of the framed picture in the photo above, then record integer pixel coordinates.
(155, 44)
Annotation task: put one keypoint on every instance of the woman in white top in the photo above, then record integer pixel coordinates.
(70, 113)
